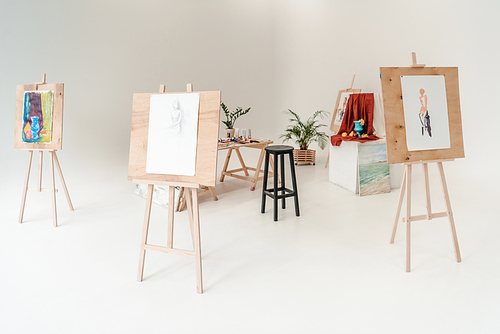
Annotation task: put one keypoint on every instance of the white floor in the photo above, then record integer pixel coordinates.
(331, 270)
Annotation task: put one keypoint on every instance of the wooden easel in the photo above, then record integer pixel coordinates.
(181, 205)
(190, 192)
(52, 159)
(350, 89)
(405, 191)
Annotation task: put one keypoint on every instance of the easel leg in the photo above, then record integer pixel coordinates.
(197, 241)
(400, 204)
(327, 160)
(25, 189)
(189, 205)
(145, 229)
(238, 153)
(226, 163)
(59, 170)
(40, 162)
(425, 169)
(212, 192)
(53, 187)
(407, 217)
(170, 229)
(182, 200)
(450, 213)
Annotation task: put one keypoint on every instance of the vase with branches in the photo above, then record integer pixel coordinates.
(232, 116)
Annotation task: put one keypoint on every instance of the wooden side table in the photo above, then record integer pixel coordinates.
(244, 168)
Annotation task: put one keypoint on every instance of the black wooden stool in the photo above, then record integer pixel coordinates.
(279, 151)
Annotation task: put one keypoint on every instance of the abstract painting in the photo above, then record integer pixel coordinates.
(37, 117)
(173, 134)
(425, 112)
(374, 177)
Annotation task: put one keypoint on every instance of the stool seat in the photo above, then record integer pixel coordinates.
(276, 193)
(279, 149)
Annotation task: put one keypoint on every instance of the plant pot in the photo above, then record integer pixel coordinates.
(229, 133)
(304, 156)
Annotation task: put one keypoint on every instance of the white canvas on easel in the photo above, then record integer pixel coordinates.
(173, 134)
(424, 96)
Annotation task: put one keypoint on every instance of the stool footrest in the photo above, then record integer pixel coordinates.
(290, 193)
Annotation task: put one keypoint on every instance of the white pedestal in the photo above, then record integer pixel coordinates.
(343, 166)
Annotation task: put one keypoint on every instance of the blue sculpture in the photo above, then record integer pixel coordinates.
(358, 126)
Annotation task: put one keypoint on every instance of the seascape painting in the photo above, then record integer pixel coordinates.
(374, 177)
(173, 134)
(426, 112)
(37, 117)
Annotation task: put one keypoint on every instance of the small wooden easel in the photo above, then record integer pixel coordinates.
(38, 188)
(190, 194)
(350, 89)
(405, 191)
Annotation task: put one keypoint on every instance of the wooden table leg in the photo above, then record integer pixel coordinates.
(257, 169)
(25, 189)
(238, 153)
(226, 163)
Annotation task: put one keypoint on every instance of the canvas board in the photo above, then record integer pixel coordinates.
(425, 112)
(340, 105)
(405, 142)
(373, 169)
(38, 122)
(207, 135)
(172, 134)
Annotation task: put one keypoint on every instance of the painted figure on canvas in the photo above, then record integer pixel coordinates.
(425, 119)
(37, 116)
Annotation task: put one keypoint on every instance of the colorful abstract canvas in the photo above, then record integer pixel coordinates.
(37, 117)
(374, 177)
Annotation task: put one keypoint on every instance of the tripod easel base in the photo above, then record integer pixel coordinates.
(405, 191)
(52, 160)
(191, 199)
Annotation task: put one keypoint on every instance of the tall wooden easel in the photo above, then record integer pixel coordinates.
(334, 127)
(398, 152)
(206, 161)
(52, 160)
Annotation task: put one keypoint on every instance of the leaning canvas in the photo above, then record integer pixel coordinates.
(374, 177)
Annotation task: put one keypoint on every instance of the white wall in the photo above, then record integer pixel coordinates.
(269, 55)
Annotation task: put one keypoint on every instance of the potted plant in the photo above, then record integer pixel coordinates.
(304, 133)
(232, 116)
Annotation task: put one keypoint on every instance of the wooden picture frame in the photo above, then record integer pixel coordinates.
(397, 149)
(335, 127)
(206, 153)
(57, 116)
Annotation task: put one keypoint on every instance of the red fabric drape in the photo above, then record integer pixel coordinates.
(359, 106)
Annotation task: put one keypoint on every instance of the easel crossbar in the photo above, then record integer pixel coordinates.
(425, 217)
(175, 251)
(42, 189)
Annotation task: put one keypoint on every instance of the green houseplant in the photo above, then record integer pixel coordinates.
(305, 133)
(232, 116)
